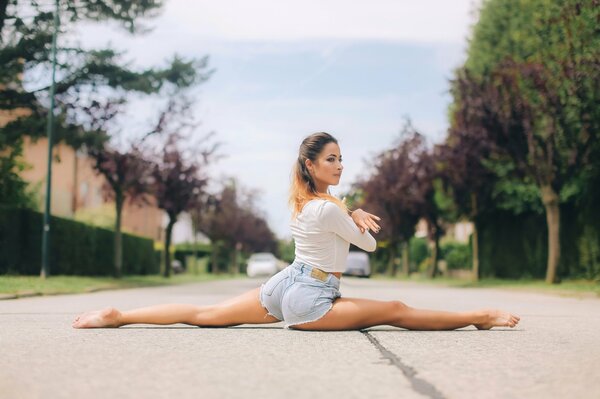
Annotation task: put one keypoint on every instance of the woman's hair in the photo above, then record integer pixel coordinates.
(303, 187)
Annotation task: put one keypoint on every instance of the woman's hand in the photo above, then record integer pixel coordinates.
(365, 221)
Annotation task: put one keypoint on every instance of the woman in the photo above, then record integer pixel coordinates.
(305, 295)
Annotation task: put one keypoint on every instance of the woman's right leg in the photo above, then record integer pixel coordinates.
(357, 313)
(243, 309)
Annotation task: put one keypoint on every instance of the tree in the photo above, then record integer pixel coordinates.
(230, 220)
(395, 192)
(253, 233)
(537, 97)
(127, 172)
(128, 177)
(217, 219)
(464, 174)
(435, 205)
(85, 77)
(178, 181)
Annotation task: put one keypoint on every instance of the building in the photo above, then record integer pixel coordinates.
(77, 190)
(459, 232)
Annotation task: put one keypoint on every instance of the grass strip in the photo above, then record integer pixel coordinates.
(571, 288)
(21, 286)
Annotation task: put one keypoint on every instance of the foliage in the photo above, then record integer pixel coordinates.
(178, 180)
(457, 255)
(76, 248)
(13, 189)
(286, 250)
(232, 222)
(419, 251)
(397, 190)
(530, 86)
(91, 84)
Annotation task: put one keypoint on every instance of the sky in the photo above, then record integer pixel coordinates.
(284, 70)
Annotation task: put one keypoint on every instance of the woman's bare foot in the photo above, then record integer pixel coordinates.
(497, 318)
(109, 317)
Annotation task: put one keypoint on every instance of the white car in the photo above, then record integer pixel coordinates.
(357, 264)
(262, 263)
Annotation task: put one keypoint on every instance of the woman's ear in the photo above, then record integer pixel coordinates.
(308, 163)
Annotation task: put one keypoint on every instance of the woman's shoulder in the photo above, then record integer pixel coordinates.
(318, 206)
(326, 208)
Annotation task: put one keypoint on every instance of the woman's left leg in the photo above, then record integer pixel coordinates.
(357, 313)
(243, 309)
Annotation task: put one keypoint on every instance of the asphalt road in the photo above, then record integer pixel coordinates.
(553, 353)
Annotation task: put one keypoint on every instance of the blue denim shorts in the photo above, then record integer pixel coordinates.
(295, 296)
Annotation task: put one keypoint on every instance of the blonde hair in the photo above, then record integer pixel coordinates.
(303, 187)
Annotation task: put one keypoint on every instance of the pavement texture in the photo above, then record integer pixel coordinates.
(553, 353)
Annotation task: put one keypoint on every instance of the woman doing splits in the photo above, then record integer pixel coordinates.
(305, 295)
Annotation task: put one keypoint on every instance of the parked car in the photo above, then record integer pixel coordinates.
(357, 264)
(177, 267)
(262, 263)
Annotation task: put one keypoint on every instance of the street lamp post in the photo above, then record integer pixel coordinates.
(50, 130)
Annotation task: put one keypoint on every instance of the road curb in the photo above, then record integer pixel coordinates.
(25, 294)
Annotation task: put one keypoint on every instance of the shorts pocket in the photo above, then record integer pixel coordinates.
(303, 299)
(271, 284)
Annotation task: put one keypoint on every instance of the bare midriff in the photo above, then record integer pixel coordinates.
(338, 275)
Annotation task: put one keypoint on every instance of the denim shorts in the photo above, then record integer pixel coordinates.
(294, 296)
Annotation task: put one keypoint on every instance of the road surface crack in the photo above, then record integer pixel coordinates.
(418, 384)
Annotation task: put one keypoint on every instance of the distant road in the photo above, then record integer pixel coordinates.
(554, 353)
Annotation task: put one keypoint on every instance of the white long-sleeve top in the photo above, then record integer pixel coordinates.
(322, 233)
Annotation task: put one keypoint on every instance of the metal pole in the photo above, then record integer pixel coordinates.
(50, 130)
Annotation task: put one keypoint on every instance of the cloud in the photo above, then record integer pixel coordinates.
(287, 69)
(268, 20)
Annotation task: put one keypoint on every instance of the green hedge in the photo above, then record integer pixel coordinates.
(183, 251)
(514, 246)
(75, 248)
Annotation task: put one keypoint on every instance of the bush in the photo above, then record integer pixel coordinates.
(419, 253)
(74, 249)
(456, 255)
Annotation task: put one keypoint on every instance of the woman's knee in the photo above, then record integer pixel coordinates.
(399, 309)
(399, 306)
(207, 316)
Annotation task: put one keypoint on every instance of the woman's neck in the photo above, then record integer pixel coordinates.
(322, 189)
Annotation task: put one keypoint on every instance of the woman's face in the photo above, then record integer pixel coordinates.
(326, 170)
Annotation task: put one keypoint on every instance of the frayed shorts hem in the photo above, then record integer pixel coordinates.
(288, 325)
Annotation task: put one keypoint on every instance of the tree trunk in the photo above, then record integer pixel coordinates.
(195, 248)
(235, 267)
(118, 236)
(391, 267)
(474, 239)
(550, 200)
(214, 267)
(435, 254)
(405, 259)
(168, 246)
(475, 252)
